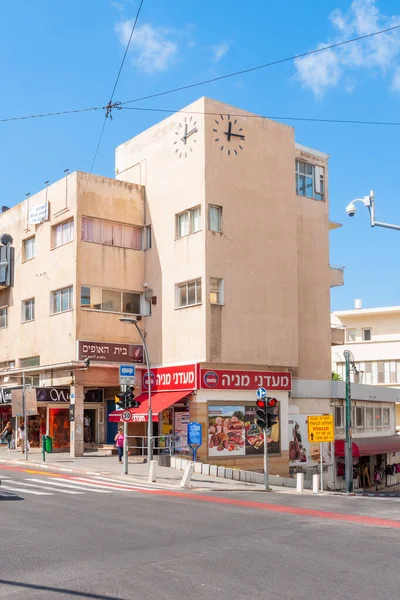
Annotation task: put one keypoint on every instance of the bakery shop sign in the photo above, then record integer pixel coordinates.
(221, 379)
(110, 352)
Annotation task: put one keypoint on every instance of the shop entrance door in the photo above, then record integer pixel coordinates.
(112, 428)
(59, 427)
(89, 422)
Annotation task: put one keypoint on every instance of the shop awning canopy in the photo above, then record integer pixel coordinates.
(159, 402)
(370, 446)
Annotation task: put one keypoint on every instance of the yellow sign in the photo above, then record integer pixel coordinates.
(321, 428)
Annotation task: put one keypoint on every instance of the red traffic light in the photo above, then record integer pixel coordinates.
(272, 401)
(261, 403)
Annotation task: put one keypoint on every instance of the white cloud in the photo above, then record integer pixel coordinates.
(325, 70)
(152, 46)
(219, 50)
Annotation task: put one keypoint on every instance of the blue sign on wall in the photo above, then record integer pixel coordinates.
(195, 431)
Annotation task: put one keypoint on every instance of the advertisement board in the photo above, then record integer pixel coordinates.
(233, 431)
(224, 379)
(301, 451)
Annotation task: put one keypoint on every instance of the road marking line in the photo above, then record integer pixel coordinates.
(120, 487)
(25, 491)
(43, 487)
(68, 485)
(133, 486)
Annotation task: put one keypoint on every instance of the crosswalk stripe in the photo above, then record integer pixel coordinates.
(133, 486)
(60, 482)
(89, 482)
(42, 487)
(25, 491)
(120, 486)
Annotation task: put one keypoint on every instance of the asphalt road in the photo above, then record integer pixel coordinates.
(147, 545)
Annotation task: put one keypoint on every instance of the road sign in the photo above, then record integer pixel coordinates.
(126, 374)
(321, 428)
(126, 415)
(261, 393)
(194, 431)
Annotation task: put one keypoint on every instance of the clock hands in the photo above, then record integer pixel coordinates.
(187, 134)
(229, 133)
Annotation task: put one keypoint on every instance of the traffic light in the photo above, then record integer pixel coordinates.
(130, 398)
(272, 417)
(261, 413)
(120, 400)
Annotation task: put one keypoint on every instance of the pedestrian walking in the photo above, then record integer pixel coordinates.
(119, 441)
(7, 434)
(22, 438)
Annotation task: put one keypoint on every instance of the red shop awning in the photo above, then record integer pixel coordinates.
(159, 402)
(370, 446)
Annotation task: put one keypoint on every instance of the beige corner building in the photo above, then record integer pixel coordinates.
(215, 231)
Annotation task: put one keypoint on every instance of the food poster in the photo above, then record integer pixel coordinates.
(181, 418)
(301, 451)
(226, 432)
(255, 435)
(166, 427)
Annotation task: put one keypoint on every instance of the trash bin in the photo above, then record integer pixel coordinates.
(49, 444)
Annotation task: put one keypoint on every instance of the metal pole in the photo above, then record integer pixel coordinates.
(266, 483)
(149, 411)
(24, 415)
(125, 448)
(349, 444)
(322, 467)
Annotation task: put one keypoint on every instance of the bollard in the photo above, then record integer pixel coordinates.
(152, 471)
(300, 482)
(187, 476)
(315, 484)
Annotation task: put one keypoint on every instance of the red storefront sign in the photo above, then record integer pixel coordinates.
(221, 379)
(167, 379)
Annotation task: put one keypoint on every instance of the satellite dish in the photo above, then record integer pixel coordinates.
(6, 239)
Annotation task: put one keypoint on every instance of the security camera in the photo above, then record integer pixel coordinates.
(351, 209)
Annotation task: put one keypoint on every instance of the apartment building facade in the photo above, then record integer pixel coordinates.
(215, 231)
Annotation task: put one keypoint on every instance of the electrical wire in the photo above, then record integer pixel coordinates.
(253, 116)
(126, 51)
(52, 114)
(264, 66)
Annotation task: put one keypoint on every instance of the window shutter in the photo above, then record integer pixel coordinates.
(319, 179)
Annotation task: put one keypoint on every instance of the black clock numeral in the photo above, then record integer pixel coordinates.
(236, 152)
(222, 148)
(241, 147)
(191, 149)
(234, 122)
(222, 118)
(215, 130)
(241, 129)
(216, 140)
(185, 155)
(176, 133)
(229, 152)
(180, 156)
(217, 122)
(175, 143)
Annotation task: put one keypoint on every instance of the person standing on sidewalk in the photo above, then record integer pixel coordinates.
(7, 434)
(119, 441)
(22, 438)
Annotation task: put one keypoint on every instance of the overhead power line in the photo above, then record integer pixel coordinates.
(264, 66)
(254, 116)
(52, 114)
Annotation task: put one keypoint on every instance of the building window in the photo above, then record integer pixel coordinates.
(31, 361)
(148, 236)
(3, 317)
(369, 417)
(339, 416)
(215, 218)
(378, 417)
(381, 371)
(110, 233)
(351, 335)
(309, 180)
(366, 334)
(29, 250)
(62, 300)
(359, 416)
(188, 222)
(7, 364)
(110, 300)
(63, 233)
(28, 310)
(386, 417)
(189, 293)
(216, 291)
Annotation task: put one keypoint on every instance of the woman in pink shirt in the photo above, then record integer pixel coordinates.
(119, 441)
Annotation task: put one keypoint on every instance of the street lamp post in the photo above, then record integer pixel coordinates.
(369, 202)
(133, 321)
(349, 361)
(24, 412)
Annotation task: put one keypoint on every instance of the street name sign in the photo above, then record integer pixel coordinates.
(126, 375)
(321, 428)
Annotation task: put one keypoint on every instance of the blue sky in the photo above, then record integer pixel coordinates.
(61, 56)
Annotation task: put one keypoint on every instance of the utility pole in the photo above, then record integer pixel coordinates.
(349, 361)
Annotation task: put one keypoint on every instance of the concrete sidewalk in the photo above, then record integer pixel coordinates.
(108, 466)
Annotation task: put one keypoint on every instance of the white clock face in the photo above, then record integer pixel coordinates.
(229, 135)
(185, 137)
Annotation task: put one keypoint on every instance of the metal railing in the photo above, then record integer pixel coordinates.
(162, 444)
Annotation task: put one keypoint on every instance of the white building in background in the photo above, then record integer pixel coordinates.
(373, 336)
